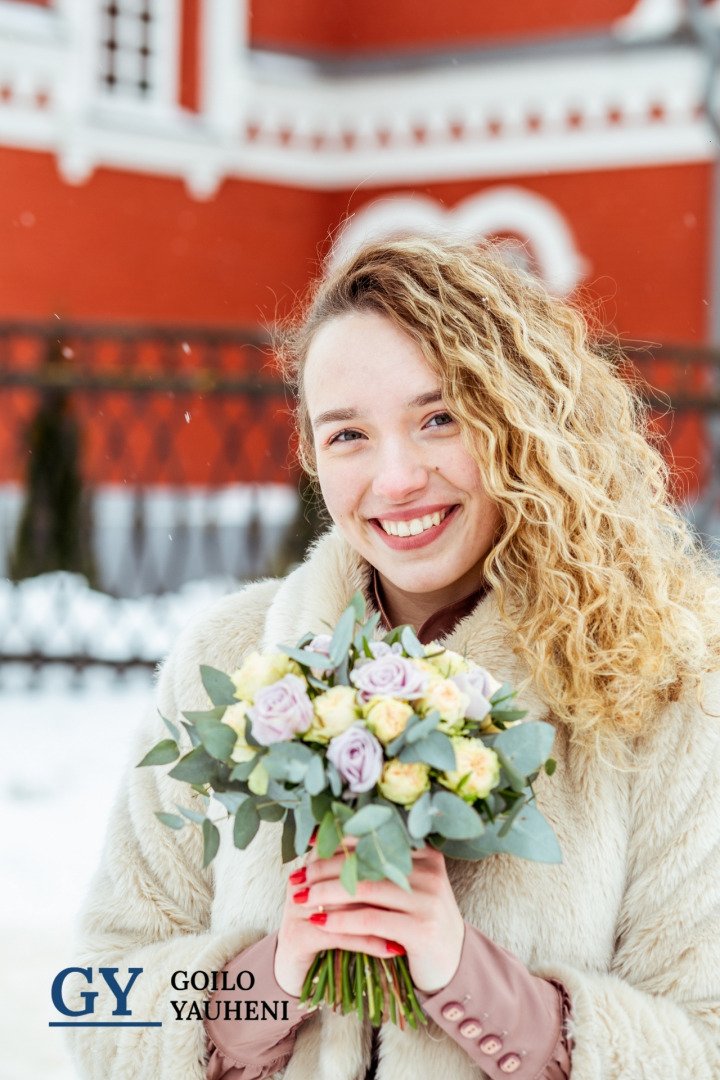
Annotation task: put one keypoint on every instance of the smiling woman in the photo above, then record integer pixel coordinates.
(490, 483)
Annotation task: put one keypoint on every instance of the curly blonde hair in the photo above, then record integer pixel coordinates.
(613, 603)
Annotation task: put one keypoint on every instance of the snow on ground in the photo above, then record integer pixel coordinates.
(63, 752)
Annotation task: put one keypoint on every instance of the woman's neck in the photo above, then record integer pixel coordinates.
(415, 609)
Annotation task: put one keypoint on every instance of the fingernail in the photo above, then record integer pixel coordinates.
(313, 838)
(318, 918)
(301, 896)
(299, 876)
(394, 948)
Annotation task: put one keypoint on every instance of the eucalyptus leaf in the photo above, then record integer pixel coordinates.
(304, 824)
(394, 843)
(288, 838)
(435, 750)
(192, 815)
(526, 746)
(358, 606)
(242, 770)
(161, 754)
(365, 633)
(393, 748)
(219, 686)
(268, 809)
(288, 761)
(420, 820)
(281, 795)
(507, 824)
(218, 739)
(423, 727)
(550, 766)
(174, 731)
(366, 820)
(194, 737)
(530, 837)
(329, 836)
(173, 821)
(306, 658)
(216, 713)
(397, 876)
(342, 637)
(410, 643)
(320, 804)
(342, 811)
(515, 778)
(334, 777)
(211, 842)
(247, 823)
(505, 716)
(231, 800)
(349, 874)
(502, 694)
(454, 818)
(197, 767)
(315, 780)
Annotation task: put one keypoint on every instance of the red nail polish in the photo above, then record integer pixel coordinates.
(319, 918)
(299, 876)
(301, 896)
(313, 838)
(394, 948)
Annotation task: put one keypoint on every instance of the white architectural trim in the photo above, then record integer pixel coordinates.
(564, 113)
(494, 212)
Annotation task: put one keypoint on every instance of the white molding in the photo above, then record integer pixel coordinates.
(502, 209)
(567, 113)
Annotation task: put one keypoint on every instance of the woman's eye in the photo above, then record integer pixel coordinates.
(345, 436)
(440, 420)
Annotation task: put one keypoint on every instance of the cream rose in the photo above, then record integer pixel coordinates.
(478, 763)
(335, 711)
(449, 700)
(259, 779)
(235, 718)
(262, 669)
(448, 663)
(403, 782)
(387, 717)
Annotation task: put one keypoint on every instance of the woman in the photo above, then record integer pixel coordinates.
(489, 483)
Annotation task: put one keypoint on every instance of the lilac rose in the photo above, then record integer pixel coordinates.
(389, 676)
(281, 711)
(480, 686)
(358, 757)
(320, 644)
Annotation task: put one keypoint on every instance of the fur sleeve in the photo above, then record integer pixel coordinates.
(150, 902)
(656, 1016)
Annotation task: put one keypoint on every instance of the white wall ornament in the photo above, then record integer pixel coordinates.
(496, 212)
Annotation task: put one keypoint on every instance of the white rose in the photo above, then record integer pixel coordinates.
(477, 765)
(259, 779)
(235, 718)
(262, 669)
(447, 662)
(403, 782)
(387, 717)
(449, 700)
(335, 711)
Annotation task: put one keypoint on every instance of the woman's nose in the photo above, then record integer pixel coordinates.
(400, 473)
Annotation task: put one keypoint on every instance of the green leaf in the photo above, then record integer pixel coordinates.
(216, 713)
(219, 686)
(365, 820)
(305, 657)
(502, 694)
(341, 811)
(530, 837)
(197, 767)
(393, 748)
(170, 726)
(194, 737)
(395, 844)
(453, 818)
(423, 727)
(315, 780)
(420, 821)
(231, 800)
(506, 715)
(334, 777)
(192, 815)
(173, 821)
(349, 874)
(247, 823)
(358, 606)
(269, 810)
(397, 876)
(161, 754)
(365, 633)
(217, 738)
(211, 842)
(550, 766)
(342, 637)
(320, 805)
(410, 643)
(304, 824)
(243, 769)
(288, 838)
(328, 837)
(435, 750)
(507, 824)
(515, 778)
(288, 761)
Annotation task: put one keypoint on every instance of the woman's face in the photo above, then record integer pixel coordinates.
(395, 474)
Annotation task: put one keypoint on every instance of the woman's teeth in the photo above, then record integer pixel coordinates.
(414, 526)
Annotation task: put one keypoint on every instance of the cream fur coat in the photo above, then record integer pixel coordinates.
(629, 922)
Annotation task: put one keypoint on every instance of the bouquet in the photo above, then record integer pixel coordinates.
(387, 741)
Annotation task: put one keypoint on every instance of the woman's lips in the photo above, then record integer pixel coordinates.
(410, 543)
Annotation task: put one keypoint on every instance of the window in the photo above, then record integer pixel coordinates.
(127, 55)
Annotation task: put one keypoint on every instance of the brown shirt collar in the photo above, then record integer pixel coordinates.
(440, 623)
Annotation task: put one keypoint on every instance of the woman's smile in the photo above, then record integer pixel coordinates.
(395, 473)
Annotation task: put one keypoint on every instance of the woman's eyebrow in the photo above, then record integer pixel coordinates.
(334, 416)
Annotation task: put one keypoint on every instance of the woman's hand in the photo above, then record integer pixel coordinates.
(381, 919)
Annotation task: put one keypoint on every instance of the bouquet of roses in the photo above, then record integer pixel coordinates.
(387, 741)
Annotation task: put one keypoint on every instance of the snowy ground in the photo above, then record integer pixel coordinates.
(63, 752)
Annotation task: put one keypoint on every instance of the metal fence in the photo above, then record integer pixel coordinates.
(145, 471)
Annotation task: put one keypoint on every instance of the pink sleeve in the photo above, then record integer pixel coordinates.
(508, 1020)
(251, 1033)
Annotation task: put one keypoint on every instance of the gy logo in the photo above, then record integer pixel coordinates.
(107, 974)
